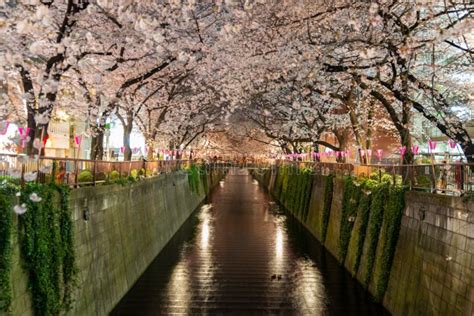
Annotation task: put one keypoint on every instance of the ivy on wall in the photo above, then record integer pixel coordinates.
(390, 232)
(328, 193)
(350, 202)
(193, 178)
(379, 196)
(46, 243)
(7, 191)
(363, 212)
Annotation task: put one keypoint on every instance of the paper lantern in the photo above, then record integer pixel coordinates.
(403, 151)
(379, 154)
(432, 145)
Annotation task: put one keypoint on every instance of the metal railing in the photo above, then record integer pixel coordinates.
(448, 178)
(77, 172)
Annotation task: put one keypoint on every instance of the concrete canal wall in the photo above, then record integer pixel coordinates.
(118, 231)
(430, 270)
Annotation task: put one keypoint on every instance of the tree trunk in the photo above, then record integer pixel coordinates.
(151, 149)
(97, 146)
(127, 131)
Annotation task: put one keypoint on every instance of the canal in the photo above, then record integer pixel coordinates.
(241, 254)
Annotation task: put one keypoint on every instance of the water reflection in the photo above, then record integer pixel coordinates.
(178, 289)
(279, 242)
(308, 293)
(205, 229)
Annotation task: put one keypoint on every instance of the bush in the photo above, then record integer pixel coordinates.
(114, 175)
(423, 181)
(85, 176)
(134, 173)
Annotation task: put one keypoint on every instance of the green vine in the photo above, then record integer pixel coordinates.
(350, 202)
(328, 192)
(7, 191)
(193, 178)
(363, 213)
(46, 242)
(379, 196)
(390, 232)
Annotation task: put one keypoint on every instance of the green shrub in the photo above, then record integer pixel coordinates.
(134, 173)
(114, 175)
(423, 181)
(85, 176)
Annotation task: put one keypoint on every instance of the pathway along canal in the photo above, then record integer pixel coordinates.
(241, 254)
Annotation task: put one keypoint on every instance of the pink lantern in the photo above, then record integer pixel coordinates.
(318, 155)
(403, 151)
(415, 149)
(432, 145)
(452, 144)
(369, 153)
(78, 139)
(379, 154)
(136, 149)
(4, 128)
(362, 153)
(122, 149)
(24, 132)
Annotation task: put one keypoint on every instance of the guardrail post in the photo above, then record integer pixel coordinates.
(94, 172)
(76, 168)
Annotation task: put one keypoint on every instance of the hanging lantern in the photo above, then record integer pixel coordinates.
(403, 151)
(415, 149)
(432, 145)
(379, 154)
(78, 140)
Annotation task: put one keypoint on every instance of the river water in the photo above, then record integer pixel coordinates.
(241, 254)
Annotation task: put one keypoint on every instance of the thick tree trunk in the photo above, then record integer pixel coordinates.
(127, 131)
(151, 149)
(97, 146)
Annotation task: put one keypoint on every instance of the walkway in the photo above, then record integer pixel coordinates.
(240, 254)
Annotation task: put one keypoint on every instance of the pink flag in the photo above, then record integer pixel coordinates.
(122, 149)
(415, 149)
(369, 153)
